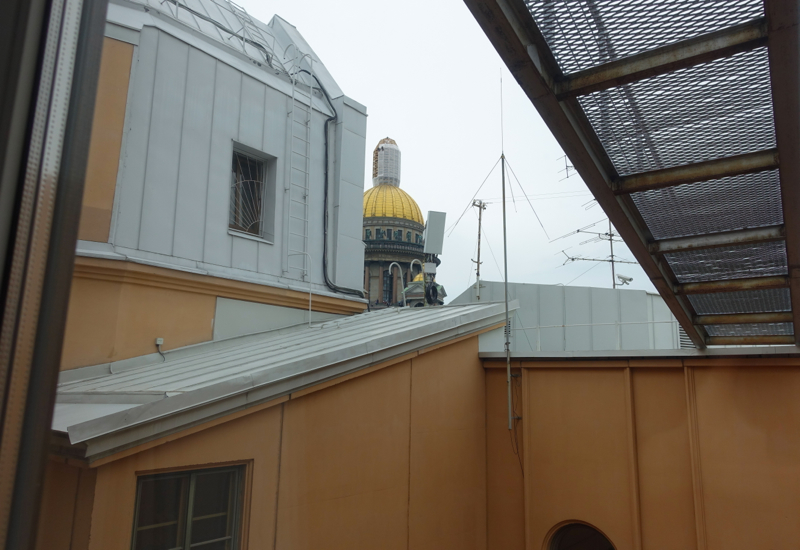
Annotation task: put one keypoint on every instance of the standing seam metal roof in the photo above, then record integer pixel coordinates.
(216, 378)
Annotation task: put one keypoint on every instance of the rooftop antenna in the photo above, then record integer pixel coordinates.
(567, 168)
(506, 330)
(481, 206)
(611, 236)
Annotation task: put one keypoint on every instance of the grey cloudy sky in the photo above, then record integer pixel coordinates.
(431, 80)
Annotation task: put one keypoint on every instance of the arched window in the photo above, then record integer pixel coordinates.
(578, 536)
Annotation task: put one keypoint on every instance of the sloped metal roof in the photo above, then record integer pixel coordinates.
(276, 47)
(153, 396)
(683, 119)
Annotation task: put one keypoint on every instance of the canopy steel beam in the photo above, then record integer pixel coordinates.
(740, 318)
(666, 59)
(728, 238)
(783, 20)
(750, 340)
(734, 285)
(700, 171)
(511, 29)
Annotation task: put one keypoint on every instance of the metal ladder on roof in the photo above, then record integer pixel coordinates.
(299, 176)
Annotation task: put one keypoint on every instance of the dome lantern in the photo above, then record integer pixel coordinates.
(386, 163)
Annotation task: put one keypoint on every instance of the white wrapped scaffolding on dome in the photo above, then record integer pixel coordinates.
(386, 163)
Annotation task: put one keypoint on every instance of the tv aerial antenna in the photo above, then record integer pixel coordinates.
(481, 206)
(611, 236)
(568, 169)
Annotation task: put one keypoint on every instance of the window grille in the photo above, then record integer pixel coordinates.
(408, 236)
(247, 194)
(197, 509)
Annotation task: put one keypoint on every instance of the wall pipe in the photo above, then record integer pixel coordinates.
(328, 282)
(401, 279)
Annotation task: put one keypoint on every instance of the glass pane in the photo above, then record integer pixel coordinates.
(162, 507)
(159, 538)
(212, 509)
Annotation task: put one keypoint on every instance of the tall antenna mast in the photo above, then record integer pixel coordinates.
(507, 329)
(481, 207)
(611, 243)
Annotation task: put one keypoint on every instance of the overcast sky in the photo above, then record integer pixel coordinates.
(431, 81)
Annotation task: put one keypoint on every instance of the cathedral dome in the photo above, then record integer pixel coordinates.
(388, 201)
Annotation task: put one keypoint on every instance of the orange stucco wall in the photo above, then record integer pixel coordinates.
(395, 458)
(106, 142)
(504, 480)
(66, 508)
(693, 454)
(118, 308)
(112, 320)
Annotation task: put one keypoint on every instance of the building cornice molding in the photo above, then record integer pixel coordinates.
(127, 272)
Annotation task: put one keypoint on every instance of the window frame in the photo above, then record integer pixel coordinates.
(268, 198)
(237, 510)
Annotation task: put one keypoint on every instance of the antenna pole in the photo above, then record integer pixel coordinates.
(481, 207)
(507, 330)
(611, 242)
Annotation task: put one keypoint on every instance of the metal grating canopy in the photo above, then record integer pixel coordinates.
(725, 204)
(582, 34)
(673, 119)
(729, 262)
(681, 118)
(743, 301)
(751, 329)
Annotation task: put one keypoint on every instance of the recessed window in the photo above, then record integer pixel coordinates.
(197, 509)
(252, 197)
(247, 194)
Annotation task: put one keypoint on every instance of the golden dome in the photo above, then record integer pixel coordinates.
(388, 201)
(418, 277)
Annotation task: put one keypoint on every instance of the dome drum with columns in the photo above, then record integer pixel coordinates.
(393, 229)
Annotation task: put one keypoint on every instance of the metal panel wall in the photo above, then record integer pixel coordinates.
(187, 111)
(190, 204)
(558, 318)
(347, 203)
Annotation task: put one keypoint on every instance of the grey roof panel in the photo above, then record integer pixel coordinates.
(208, 380)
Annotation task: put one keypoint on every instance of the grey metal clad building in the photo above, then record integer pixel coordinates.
(223, 165)
(555, 318)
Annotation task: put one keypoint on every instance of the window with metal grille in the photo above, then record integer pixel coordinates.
(197, 509)
(248, 190)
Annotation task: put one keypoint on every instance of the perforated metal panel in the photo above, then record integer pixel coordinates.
(709, 111)
(582, 34)
(726, 204)
(751, 329)
(747, 301)
(714, 110)
(729, 262)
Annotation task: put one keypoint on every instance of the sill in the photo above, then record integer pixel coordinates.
(243, 235)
